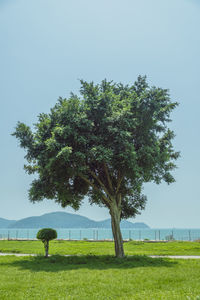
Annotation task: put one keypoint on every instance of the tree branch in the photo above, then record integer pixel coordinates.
(100, 182)
(119, 183)
(108, 176)
(106, 200)
(119, 200)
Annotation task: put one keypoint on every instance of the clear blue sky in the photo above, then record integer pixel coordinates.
(46, 46)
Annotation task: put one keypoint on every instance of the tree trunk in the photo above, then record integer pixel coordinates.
(115, 222)
(46, 246)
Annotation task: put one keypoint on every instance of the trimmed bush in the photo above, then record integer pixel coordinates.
(46, 235)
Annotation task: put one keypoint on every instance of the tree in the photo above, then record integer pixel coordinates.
(46, 235)
(104, 144)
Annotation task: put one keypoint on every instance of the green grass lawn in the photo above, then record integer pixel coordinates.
(102, 248)
(98, 277)
(96, 273)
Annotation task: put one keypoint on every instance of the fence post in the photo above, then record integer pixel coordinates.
(69, 234)
(129, 234)
(80, 235)
(97, 234)
(159, 235)
(189, 235)
(155, 235)
(8, 235)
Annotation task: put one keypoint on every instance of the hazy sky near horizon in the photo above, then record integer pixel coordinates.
(47, 46)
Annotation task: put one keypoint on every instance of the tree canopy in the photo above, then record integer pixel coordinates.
(104, 144)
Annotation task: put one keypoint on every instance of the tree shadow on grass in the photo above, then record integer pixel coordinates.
(58, 263)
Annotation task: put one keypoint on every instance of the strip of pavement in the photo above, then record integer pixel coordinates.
(16, 254)
(176, 256)
(152, 256)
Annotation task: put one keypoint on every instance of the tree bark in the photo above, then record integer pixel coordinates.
(115, 222)
(46, 246)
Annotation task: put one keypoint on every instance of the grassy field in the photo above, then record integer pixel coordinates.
(97, 274)
(98, 277)
(102, 248)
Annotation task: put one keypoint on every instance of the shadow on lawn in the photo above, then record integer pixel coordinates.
(57, 263)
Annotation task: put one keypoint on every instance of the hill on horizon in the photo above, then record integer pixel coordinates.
(65, 220)
(4, 223)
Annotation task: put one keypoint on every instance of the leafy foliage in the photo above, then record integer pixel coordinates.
(46, 234)
(104, 144)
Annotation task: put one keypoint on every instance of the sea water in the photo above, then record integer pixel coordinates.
(106, 234)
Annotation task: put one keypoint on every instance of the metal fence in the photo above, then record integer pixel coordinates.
(106, 234)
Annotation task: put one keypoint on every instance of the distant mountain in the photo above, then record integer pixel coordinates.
(55, 220)
(124, 224)
(6, 223)
(67, 220)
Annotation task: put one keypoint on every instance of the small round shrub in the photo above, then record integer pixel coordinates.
(46, 235)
